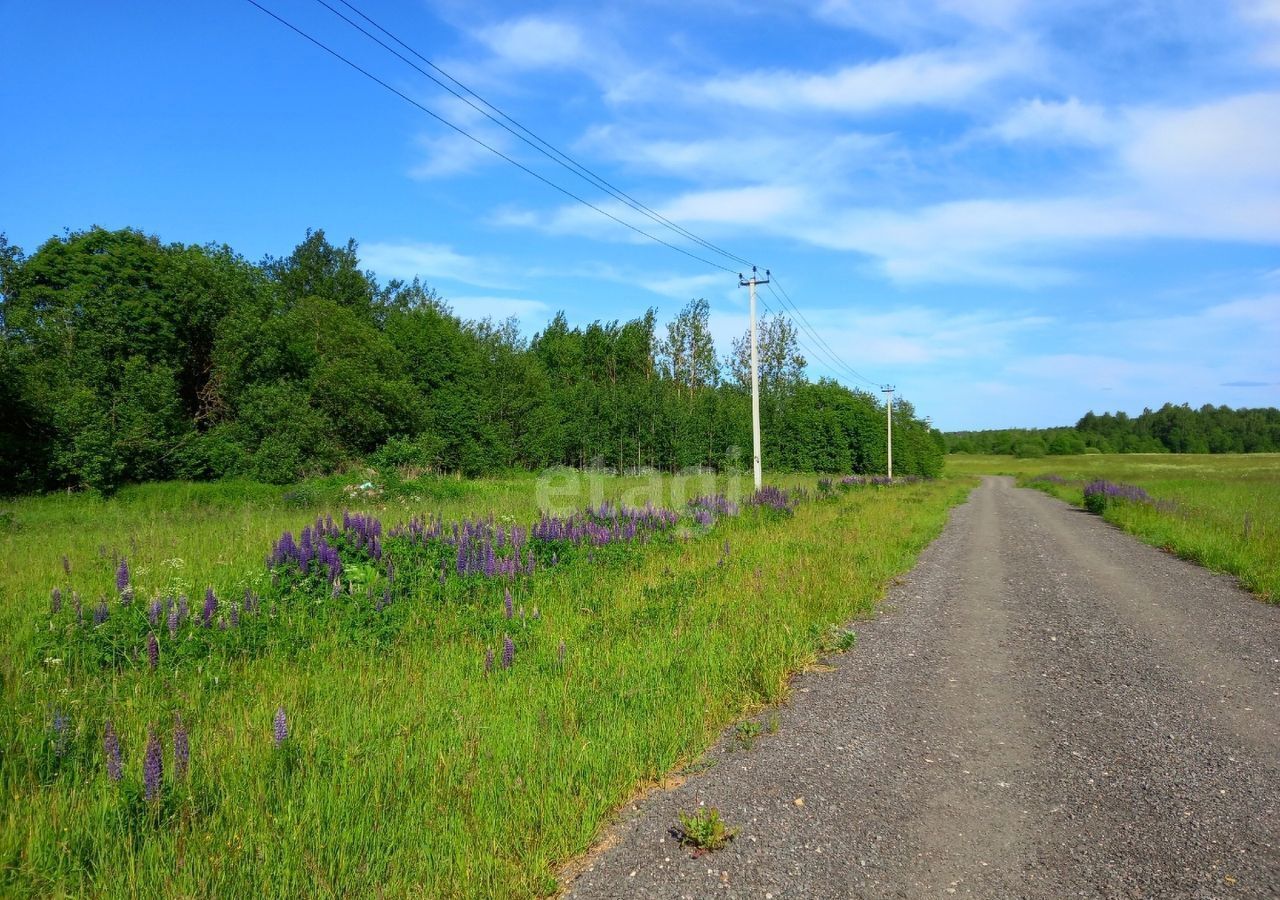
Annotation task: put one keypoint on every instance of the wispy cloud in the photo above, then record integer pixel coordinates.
(1058, 122)
(533, 42)
(432, 262)
(926, 78)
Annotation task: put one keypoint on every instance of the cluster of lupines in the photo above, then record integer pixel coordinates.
(1100, 493)
(161, 615)
(325, 549)
(706, 509)
(152, 755)
(493, 551)
(774, 498)
(606, 525)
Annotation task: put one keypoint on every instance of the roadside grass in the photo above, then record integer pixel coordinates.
(1219, 511)
(407, 770)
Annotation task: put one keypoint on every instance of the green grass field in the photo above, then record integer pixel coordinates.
(407, 769)
(1220, 511)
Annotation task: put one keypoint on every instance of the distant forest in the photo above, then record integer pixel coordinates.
(1169, 429)
(125, 359)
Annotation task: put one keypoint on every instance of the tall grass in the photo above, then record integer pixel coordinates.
(1220, 511)
(407, 770)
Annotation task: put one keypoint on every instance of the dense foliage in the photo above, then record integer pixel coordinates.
(1169, 429)
(124, 359)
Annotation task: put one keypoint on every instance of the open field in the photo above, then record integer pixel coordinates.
(406, 766)
(1221, 511)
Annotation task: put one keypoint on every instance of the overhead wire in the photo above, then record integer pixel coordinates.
(494, 150)
(785, 299)
(509, 124)
(813, 354)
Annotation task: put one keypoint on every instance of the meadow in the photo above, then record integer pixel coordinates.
(1221, 511)
(197, 703)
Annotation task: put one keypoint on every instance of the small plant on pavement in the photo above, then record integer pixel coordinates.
(747, 732)
(704, 830)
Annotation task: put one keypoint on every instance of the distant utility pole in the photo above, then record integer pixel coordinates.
(888, 415)
(755, 378)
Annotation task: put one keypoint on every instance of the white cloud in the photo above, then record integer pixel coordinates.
(1058, 122)
(1231, 143)
(926, 78)
(743, 205)
(794, 156)
(534, 42)
(755, 204)
(431, 262)
(447, 152)
(684, 287)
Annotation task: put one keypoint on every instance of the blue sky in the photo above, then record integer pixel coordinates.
(1014, 211)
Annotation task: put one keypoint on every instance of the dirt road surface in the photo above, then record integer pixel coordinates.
(1045, 708)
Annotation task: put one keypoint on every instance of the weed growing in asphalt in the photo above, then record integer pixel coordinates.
(747, 732)
(705, 830)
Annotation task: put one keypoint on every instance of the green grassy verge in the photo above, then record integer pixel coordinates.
(407, 770)
(1220, 511)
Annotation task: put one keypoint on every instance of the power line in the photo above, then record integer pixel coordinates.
(827, 356)
(813, 354)
(496, 152)
(501, 119)
(785, 299)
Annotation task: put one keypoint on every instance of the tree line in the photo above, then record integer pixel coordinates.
(125, 359)
(1169, 429)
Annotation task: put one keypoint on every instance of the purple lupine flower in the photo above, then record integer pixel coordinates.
(153, 651)
(61, 726)
(173, 623)
(122, 576)
(153, 612)
(100, 612)
(55, 604)
(235, 614)
(66, 564)
(280, 726)
(181, 747)
(508, 651)
(210, 607)
(508, 603)
(111, 749)
(488, 660)
(152, 767)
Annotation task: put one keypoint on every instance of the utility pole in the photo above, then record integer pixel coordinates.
(755, 378)
(888, 415)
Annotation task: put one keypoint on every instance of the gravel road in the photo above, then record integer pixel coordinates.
(1044, 708)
